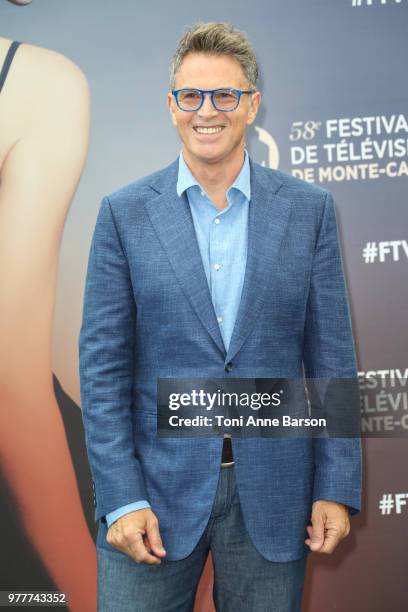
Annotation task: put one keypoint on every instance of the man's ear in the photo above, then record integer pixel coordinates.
(254, 106)
(171, 107)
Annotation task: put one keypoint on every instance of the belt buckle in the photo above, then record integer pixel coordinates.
(227, 452)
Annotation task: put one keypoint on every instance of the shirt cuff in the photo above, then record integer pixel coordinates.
(113, 516)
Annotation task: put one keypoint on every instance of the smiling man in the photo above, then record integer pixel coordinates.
(212, 125)
(214, 267)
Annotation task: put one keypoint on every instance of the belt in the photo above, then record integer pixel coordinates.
(227, 459)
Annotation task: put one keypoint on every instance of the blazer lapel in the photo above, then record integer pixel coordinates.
(171, 218)
(268, 218)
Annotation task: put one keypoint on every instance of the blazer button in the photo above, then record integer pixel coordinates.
(229, 366)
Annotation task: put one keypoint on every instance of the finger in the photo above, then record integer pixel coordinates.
(309, 531)
(148, 544)
(139, 553)
(330, 543)
(153, 536)
(317, 532)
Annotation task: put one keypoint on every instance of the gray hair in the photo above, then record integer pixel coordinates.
(216, 39)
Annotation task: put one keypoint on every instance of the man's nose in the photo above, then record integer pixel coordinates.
(207, 109)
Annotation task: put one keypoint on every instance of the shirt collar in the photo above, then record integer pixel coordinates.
(186, 179)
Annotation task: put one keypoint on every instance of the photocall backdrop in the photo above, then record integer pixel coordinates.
(334, 112)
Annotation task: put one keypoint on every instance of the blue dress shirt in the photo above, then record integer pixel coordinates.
(222, 237)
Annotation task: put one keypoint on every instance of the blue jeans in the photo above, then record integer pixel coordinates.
(243, 579)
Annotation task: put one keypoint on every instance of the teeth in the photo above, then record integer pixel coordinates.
(211, 130)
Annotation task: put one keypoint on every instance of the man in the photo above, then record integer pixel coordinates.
(213, 267)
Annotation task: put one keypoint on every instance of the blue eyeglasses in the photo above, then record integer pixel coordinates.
(225, 99)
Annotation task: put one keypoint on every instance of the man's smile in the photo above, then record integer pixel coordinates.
(215, 129)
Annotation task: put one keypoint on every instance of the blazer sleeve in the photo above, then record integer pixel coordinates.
(329, 353)
(106, 355)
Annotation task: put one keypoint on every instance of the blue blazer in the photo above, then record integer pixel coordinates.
(148, 314)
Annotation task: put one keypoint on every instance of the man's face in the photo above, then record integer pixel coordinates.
(202, 71)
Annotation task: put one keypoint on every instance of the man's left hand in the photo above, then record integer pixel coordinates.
(330, 524)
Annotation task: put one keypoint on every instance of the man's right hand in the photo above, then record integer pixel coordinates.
(137, 535)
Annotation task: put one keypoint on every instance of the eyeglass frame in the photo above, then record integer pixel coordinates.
(175, 93)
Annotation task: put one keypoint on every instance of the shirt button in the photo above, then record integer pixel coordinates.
(217, 266)
(229, 366)
(217, 221)
(219, 319)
